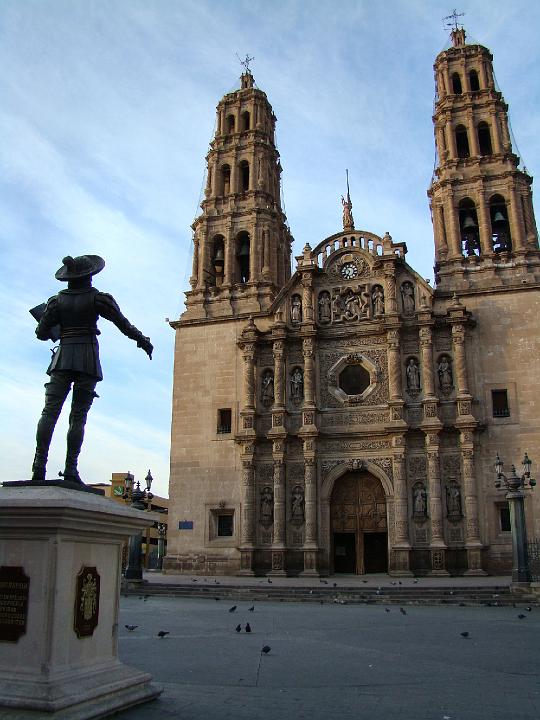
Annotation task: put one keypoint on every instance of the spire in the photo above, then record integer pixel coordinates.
(458, 31)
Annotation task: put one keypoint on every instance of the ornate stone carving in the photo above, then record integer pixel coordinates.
(444, 372)
(419, 501)
(374, 360)
(296, 384)
(414, 415)
(352, 445)
(266, 537)
(454, 509)
(412, 373)
(296, 310)
(451, 466)
(455, 535)
(277, 561)
(430, 410)
(377, 301)
(437, 559)
(350, 304)
(267, 506)
(368, 417)
(417, 466)
(407, 298)
(277, 419)
(324, 305)
(397, 412)
(443, 341)
(421, 535)
(267, 388)
(297, 505)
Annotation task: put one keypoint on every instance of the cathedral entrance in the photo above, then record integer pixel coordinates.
(359, 526)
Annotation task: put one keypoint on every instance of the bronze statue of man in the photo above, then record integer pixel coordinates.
(74, 313)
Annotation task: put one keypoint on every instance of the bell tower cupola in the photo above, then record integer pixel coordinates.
(480, 196)
(242, 243)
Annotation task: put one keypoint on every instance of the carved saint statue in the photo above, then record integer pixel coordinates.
(377, 300)
(453, 501)
(296, 309)
(444, 370)
(267, 506)
(297, 504)
(348, 221)
(325, 309)
(419, 500)
(267, 388)
(413, 375)
(297, 385)
(352, 306)
(407, 298)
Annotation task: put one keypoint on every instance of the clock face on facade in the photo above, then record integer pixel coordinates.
(349, 271)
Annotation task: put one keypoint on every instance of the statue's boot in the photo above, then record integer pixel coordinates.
(55, 395)
(80, 405)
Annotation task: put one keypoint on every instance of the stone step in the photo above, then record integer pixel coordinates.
(485, 595)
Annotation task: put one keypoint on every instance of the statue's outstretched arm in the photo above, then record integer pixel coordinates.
(108, 308)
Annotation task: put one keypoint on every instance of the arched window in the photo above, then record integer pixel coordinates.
(230, 123)
(244, 176)
(484, 139)
(242, 256)
(225, 180)
(456, 84)
(500, 227)
(473, 81)
(218, 259)
(462, 142)
(468, 227)
(245, 121)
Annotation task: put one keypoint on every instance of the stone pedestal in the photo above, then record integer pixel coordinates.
(59, 626)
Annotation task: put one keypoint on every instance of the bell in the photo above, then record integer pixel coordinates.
(219, 254)
(499, 218)
(468, 223)
(244, 248)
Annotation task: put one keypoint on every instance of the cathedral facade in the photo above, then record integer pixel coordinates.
(346, 417)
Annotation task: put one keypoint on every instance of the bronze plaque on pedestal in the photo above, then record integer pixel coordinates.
(14, 588)
(86, 602)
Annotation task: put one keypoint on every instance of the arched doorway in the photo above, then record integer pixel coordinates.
(359, 529)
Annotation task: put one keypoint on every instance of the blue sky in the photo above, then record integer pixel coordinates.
(107, 110)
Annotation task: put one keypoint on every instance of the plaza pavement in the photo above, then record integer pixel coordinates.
(332, 661)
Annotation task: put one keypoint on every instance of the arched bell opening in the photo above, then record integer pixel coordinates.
(500, 227)
(484, 139)
(243, 249)
(474, 85)
(456, 84)
(218, 259)
(359, 525)
(246, 120)
(225, 180)
(243, 176)
(462, 142)
(468, 227)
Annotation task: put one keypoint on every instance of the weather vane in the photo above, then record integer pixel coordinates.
(453, 19)
(245, 62)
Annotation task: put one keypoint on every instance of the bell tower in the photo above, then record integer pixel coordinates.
(242, 244)
(481, 200)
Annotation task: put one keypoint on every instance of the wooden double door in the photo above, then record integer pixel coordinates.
(359, 526)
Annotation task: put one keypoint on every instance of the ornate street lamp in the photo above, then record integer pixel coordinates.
(514, 485)
(162, 532)
(140, 500)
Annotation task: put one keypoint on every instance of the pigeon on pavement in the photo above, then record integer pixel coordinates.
(238, 628)
(232, 609)
(266, 649)
(131, 627)
(248, 627)
(162, 633)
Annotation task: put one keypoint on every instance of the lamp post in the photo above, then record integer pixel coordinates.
(140, 500)
(514, 485)
(162, 531)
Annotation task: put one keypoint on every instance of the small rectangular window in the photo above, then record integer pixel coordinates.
(225, 525)
(224, 421)
(499, 401)
(504, 518)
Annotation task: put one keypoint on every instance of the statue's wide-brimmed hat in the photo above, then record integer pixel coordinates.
(80, 267)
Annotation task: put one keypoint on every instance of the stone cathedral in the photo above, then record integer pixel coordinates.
(345, 416)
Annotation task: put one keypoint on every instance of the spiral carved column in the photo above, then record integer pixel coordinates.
(278, 543)
(401, 545)
(248, 517)
(472, 530)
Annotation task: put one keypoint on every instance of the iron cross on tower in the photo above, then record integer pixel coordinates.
(245, 62)
(453, 19)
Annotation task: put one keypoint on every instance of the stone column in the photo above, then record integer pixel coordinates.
(248, 356)
(193, 281)
(307, 297)
(484, 222)
(473, 137)
(401, 545)
(495, 132)
(394, 365)
(254, 245)
(279, 369)
(426, 349)
(278, 543)
(451, 138)
(472, 531)
(201, 266)
(390, 291)
(437, 544)
(460, 364)
(248, 515)
(441, 245)
(228, 270)
(309, 372)
(453, 234)
(310, 487)
(516, 222)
